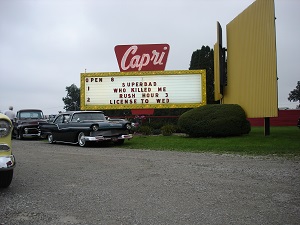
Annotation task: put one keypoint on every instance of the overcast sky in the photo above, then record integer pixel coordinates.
(46, 44)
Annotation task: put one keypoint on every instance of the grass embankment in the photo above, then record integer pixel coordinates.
(282, 141)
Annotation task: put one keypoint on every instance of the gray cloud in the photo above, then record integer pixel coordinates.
(46, 44)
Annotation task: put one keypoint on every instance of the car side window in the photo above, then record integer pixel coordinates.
(66, 118)
(75, 118)
(59, 119)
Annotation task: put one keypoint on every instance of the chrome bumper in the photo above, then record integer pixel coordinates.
(31, 135)
(101, 138)
(7, 162)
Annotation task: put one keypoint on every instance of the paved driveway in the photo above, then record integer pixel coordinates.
(66, 184)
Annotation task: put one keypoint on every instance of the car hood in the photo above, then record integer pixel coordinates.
(30, 121)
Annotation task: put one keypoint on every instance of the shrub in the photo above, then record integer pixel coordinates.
(168, 130)
(157, 123)
(215, 121)
(145, 130)
(156, 132)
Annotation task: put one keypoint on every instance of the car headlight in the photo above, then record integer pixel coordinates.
(5, 128)
(95, 127)
(128, 126)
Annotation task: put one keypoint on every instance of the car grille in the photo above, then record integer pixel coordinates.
(31, 131)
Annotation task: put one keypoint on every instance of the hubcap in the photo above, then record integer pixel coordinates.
(50, 138)
(81, 139)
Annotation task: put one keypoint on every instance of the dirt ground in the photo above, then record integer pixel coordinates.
(67, 184)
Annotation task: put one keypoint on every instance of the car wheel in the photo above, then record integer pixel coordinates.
(6, 178)
(14, 134)
(20, 135)
(50, 138)
(81, 140)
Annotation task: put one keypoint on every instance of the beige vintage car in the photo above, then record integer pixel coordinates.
(7, 159)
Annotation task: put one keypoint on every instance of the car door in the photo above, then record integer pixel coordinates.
(56, 132)
(64, 132)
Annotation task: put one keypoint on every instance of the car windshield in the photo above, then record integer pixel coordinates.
(88, 116)
(31, 115)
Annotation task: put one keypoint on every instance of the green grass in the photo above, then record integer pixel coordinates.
(282, 141)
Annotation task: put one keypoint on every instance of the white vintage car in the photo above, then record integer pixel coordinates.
(7, 159)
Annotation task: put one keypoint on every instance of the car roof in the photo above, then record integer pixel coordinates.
(72, 112)
(23, 110)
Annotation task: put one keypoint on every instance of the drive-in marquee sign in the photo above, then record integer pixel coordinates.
(143, 90)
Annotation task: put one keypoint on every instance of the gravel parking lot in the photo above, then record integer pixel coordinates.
(66, 184)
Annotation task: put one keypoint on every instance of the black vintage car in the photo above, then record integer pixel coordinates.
(26, 123)
(82, 127)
